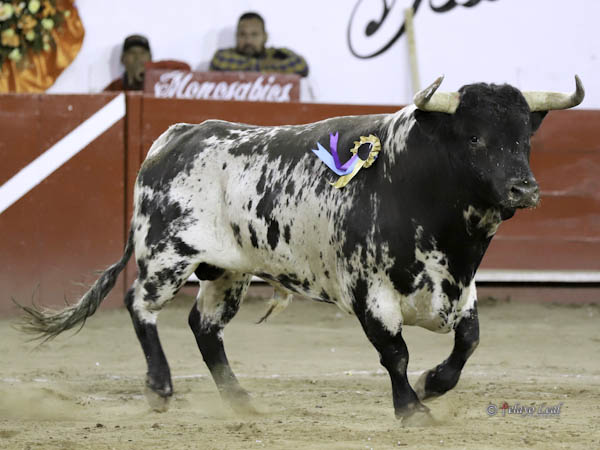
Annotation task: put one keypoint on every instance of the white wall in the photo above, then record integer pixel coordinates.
(532, 44)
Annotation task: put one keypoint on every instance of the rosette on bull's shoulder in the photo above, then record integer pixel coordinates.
(350, 168)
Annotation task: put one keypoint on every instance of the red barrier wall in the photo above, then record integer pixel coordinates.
(72, 223)
(75, 222)
(563, 233)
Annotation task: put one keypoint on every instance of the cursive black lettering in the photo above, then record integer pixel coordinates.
(374, 25)
(366, 35)
(364, 40)
(447, 5)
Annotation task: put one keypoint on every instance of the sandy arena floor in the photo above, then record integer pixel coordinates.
(314, 377)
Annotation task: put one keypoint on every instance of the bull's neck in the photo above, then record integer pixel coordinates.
(428, 198)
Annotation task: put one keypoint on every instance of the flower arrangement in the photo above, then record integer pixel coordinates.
(27, 25)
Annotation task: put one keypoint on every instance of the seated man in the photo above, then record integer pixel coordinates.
(137, 57)
(250, 53)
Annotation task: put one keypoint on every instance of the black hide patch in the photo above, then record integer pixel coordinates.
(181, 152)
(142, 269)
(289, 188)
(236, 233)
(260, 186)
(290, 281)
(273, 234)
(209, 272)
(163, 215)
(151, 291)
(182, 248)
(253, 237)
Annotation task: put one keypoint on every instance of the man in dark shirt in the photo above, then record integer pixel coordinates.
(137, 57)
(250, 53)
(135, 54)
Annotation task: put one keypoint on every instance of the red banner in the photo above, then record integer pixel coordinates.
(234, 86)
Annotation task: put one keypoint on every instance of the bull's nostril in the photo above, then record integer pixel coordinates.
(523, 192)
(515, 190)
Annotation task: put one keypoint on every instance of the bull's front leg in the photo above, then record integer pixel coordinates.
(444, 376)
(381, 319)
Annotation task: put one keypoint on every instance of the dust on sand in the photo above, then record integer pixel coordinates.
(315, 379)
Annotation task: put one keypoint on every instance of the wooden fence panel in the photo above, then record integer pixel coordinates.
(71, 224)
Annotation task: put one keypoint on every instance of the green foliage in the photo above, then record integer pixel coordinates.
(27, 26)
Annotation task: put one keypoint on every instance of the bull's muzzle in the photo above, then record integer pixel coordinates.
(523, 193)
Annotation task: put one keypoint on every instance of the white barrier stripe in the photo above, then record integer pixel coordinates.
(513, 276)
(41, 167)
(538, 276)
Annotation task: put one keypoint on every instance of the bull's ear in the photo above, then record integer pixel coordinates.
(536, 120)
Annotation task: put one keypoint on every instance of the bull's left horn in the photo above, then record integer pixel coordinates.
(545, 101)
(428, 100)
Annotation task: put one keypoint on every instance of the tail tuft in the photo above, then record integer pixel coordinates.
(45, 323)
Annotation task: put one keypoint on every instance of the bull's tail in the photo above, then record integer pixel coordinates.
(47, 323)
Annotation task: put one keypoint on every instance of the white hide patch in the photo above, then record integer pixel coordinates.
(384, 303)
(211, 297)
(429, 306)
(488, 220)
(140, 306)
(159, 144)
(395, 143)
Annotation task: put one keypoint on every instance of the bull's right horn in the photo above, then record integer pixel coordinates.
(428, 100)
(546, 101)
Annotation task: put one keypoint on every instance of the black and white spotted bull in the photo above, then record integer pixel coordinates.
(398, 245)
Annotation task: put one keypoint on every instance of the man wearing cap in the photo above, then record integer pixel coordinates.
(135, 54)
(137, 57)
(250, 53)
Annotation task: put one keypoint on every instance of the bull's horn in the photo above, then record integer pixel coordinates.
(545, 101)
(428, 100)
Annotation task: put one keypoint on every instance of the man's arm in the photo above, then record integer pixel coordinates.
(284, 60)
(229, 60)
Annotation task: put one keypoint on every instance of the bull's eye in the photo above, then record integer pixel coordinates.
(474, 140)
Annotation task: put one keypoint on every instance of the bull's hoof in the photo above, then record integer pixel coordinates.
(435, 382)
(419, 418)
(240, 402)
(244, 408)
(158, 402)
(415, 415)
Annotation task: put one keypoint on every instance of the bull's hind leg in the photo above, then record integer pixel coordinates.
(217, 303)
(149, 293)
(444, 377)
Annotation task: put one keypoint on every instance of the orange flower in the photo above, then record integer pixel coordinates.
(49, 10)
(10, 38)
(27, 23)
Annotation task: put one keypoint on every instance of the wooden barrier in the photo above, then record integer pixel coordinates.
(71, 224)
(76, 220)
(563, 233)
